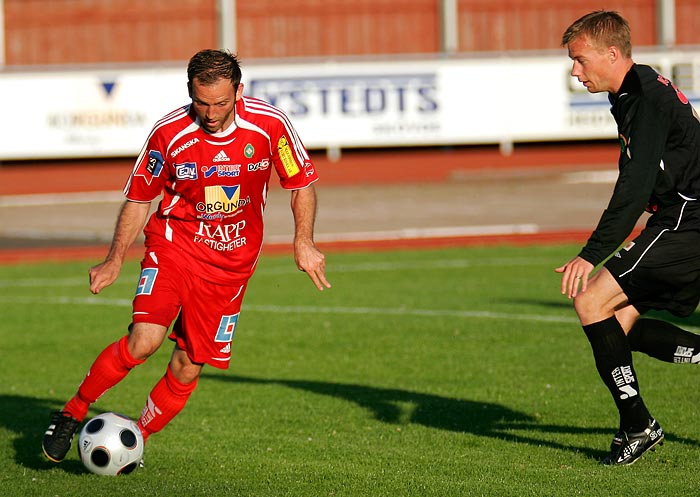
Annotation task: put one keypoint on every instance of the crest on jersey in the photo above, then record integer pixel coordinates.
(623, 142)
(249, 150)
(625, 145)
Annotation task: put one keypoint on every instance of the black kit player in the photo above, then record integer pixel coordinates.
(659, 172)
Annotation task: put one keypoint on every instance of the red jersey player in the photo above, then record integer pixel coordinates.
(211, 160)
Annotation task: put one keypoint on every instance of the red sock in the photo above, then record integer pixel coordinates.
(110, 367)
(167, 399)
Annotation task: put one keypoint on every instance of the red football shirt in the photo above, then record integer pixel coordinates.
(215, 186)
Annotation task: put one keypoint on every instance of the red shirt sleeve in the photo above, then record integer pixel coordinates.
(289, 156)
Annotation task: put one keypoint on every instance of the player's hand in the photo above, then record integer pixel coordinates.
(574, 272)
(103, 275)
(311, 261)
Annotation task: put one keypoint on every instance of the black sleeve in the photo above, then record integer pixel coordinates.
(639, 164)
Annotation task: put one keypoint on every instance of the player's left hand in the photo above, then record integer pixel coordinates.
(311, 261)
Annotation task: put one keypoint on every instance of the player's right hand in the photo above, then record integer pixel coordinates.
(574, 273)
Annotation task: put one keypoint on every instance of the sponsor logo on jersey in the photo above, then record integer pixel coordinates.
(227, 327)
(221, 157)
(146, 281)
(219, 198)
(259, 166)
(184, 146)
(287, 158)
(152, 167)
(155, 163)
(211, 217)
(666, 82)
(228, 170)
(187, 170)
(222, 171)
(221, 237)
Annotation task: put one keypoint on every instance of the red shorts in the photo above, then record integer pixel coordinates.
(207, 313)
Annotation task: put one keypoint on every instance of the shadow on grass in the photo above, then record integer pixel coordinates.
(691, 321)
(28, 418)
(485, 419)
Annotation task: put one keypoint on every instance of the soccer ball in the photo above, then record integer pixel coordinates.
(110, 444)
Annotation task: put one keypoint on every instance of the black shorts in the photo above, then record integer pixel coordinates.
(660, 269)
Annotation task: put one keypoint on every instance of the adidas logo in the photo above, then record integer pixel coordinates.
(226, 349)
(221, 157)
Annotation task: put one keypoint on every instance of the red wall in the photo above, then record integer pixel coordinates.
(539, 24)
(88, 31)
(97, 31)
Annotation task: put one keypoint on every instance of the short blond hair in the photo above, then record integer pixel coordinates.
(604, 28)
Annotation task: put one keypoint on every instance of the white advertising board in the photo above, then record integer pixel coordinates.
(479, 100)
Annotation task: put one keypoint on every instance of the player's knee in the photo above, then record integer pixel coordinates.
(590, 308)
(585, 307)
(145, 340)
(142, 349)
(182, 368)
(186, 374)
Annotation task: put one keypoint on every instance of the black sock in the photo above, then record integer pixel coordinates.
(613, 359)
(664, 341)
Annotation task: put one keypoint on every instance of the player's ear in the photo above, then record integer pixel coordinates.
(239, 92)
(613, 53)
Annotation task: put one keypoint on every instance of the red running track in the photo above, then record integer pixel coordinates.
(404, 165)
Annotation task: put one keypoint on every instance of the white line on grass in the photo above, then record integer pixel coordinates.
(331, 268)
(60, 282)
(436, 264)
(419, 233)
(283, 309)
(408, 312)
(39, 282)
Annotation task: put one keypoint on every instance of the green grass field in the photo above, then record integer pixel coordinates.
(444, 373)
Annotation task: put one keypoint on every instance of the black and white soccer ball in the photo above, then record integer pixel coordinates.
(110, 444)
